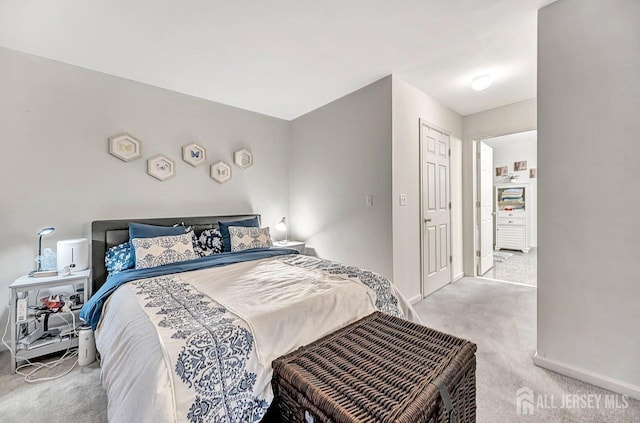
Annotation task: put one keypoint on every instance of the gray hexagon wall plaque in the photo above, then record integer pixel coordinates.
(243, 158)
(125, 147)
(194, 154)
(220, 172)
(161, 167)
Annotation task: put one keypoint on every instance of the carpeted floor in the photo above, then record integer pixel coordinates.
(498, 317)
(76, 397)
(501, 319)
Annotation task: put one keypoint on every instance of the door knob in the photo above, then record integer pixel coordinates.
(428, 219)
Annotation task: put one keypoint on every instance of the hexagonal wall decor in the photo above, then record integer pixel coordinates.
(243, 158)
(161, 167)
(125, 147)
(220, 172)
(194, 154)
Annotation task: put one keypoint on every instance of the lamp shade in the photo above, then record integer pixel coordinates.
(282, 225)
(46, 231)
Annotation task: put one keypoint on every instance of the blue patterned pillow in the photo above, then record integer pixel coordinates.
(119, 258)
(249, 238)
(210, 242)
(161, 250)
(253, 222)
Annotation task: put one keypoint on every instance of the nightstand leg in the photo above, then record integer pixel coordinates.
(14, 307)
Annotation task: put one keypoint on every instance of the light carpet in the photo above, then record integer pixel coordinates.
(499, 317)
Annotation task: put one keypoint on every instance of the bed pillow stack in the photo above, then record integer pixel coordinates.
(224, 230)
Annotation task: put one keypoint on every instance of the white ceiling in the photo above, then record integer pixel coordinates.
(287, 57)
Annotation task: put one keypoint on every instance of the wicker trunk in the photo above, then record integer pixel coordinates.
(378, 369)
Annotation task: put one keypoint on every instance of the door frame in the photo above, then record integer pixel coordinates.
(471, 265)
(421, 122)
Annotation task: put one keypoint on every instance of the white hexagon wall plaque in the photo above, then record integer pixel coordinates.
(194, 154)
(161, 167)
(243, 158)
(220, 171)
(125, 147)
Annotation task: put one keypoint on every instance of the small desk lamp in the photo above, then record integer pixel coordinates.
(282, 227)
(43, 232)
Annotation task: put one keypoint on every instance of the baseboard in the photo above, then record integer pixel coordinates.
(457, 277)
(588, 376)
(415, 299)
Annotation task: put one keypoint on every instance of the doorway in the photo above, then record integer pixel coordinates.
(507, 208)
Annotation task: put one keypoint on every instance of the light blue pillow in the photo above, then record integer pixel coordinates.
(119, 258)
(224, 230)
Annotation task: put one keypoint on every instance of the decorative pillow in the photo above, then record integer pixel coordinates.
(161, 250)
(119, 258)
(140, 230)
(210, 242)
(194, 239)
(224, 229)
(249, 238)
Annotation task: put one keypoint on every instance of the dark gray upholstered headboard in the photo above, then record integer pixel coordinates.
(108, 233)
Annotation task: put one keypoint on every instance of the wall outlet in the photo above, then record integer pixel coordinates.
(403, 199)
(21, 312)
(369, 200)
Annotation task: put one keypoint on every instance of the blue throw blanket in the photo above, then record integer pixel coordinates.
(92, 310)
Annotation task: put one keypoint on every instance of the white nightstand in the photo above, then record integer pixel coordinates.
(294, 245)
(19, 290)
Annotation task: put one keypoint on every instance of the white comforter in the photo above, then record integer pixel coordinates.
(198, 346)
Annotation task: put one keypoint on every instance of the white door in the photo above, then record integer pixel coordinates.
(436, 219)
(485, 211)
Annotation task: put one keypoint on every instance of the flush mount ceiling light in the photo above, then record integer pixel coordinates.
(481, 82)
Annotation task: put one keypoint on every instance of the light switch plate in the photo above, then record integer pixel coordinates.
(21, 312)
(369, 200)
(403, 199)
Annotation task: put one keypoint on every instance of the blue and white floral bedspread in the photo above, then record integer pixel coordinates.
(208, 341)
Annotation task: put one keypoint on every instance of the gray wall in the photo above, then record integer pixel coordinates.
(588, 152)
(55, 120)
(341, 152)
(409, 106)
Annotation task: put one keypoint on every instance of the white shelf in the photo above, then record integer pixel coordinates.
(63, 344)
(27, 284)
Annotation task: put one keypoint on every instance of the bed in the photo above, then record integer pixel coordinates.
(194, 341)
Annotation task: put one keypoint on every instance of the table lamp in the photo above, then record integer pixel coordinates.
(38, 271)
(282, 227)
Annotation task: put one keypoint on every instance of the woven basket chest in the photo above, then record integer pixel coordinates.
(378, 369)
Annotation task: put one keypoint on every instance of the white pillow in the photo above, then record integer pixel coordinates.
(161, 250)
(249, 238)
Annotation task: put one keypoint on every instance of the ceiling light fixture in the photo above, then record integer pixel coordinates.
(481, 83)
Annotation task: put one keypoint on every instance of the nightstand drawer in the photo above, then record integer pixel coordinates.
(512, 221)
